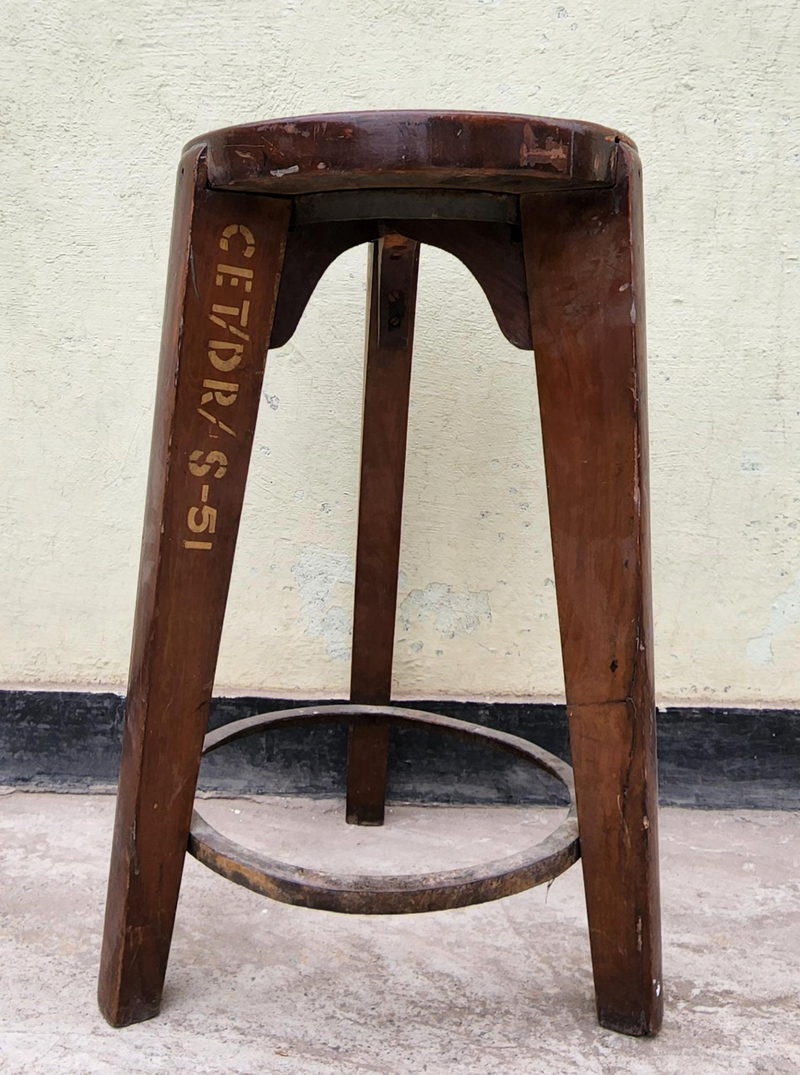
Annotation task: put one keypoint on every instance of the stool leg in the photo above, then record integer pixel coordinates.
(583, 253)
(392, 290)
(224, 268)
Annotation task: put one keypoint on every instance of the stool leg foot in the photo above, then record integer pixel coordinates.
(586, 291)
(224, 267)
(392, 290)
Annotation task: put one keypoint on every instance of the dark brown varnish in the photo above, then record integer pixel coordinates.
(547, 215)
(391, 301)
(586, 286)
(182, 591)
(384, 894)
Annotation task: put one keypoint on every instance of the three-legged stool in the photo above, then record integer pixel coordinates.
(547, 215)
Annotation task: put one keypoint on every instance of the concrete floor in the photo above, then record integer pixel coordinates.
(256, 988)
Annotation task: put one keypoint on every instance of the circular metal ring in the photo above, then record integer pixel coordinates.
(383, 894)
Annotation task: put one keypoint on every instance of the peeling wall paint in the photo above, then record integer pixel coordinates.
(452, 614)
(320, 575)
(100, 98)
(784, 613)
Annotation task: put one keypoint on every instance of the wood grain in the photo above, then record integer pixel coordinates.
(456, 150)
(586, 290)
(310, 250)
(207, 399)
(570, 284)
(392, 295)
(383, 894)
(491, 250)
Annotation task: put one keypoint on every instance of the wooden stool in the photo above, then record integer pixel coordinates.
(547, 216)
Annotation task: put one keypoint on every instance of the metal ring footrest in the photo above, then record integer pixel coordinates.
(383, 894)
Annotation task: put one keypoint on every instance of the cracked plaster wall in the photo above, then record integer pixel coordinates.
(98, 100)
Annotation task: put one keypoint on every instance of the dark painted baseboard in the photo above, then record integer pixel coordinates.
(713, 758)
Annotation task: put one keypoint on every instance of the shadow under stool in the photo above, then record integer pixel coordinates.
(547, 216)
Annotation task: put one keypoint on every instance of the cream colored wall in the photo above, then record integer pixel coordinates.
(98, 99)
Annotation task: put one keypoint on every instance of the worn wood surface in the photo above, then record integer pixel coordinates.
(491, 250)
(580, 303)
(310, 250)
(456, 150)
(226, 257)
(585, 276)
(391, 302)
(384, 894)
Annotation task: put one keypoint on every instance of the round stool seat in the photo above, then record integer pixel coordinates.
(483, 151)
